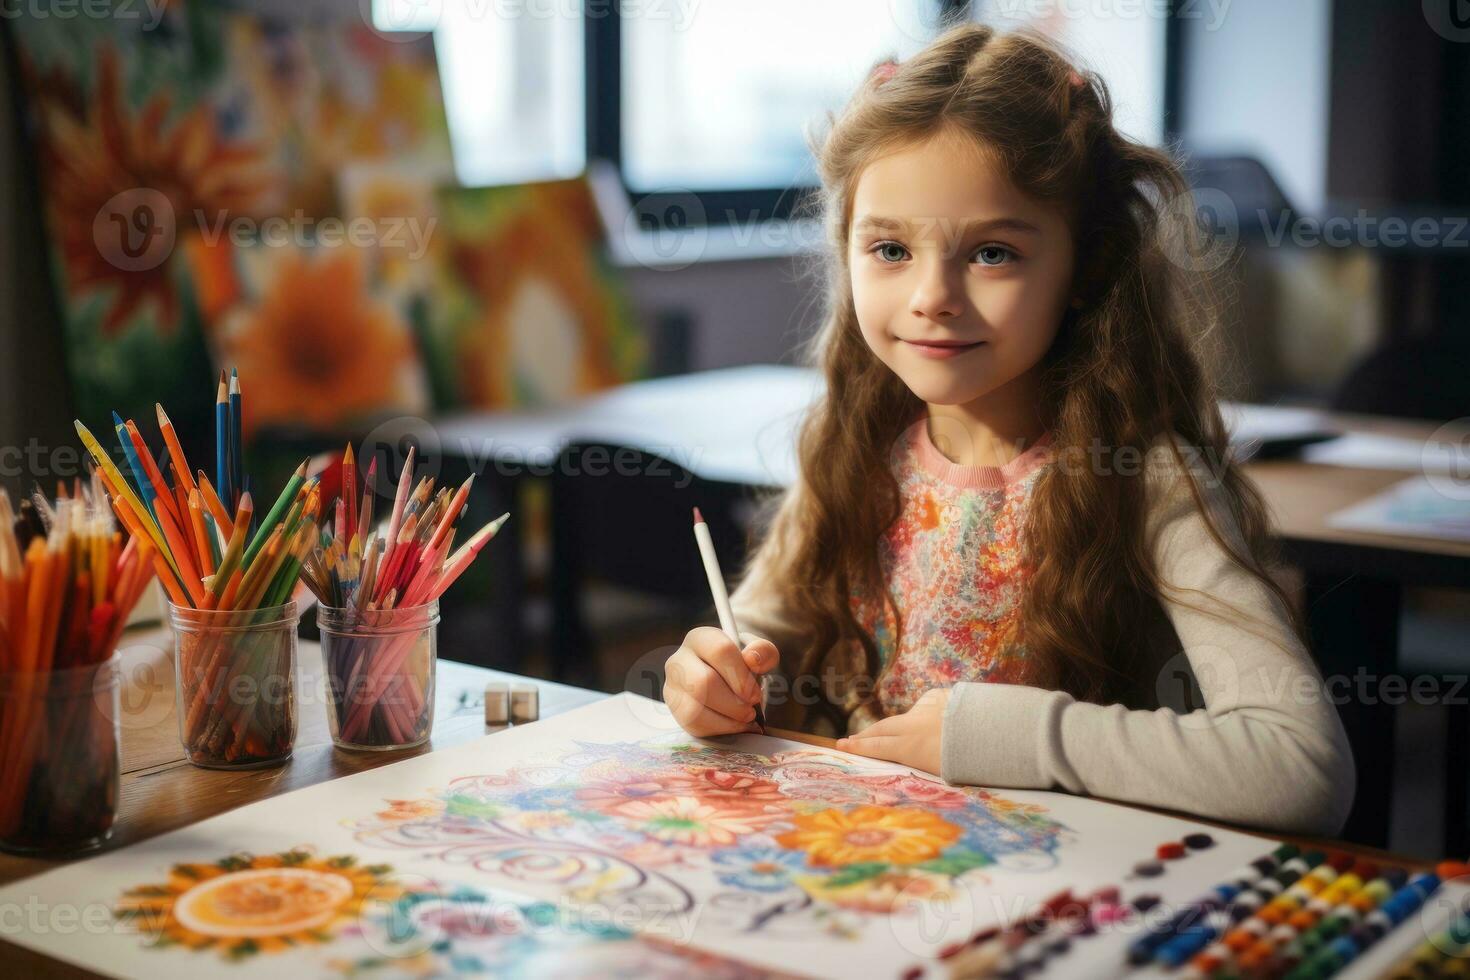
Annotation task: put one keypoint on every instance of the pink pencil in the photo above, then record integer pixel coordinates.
(456, 565)
(405, 480)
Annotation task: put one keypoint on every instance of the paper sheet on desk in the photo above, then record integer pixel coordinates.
(759, 849)
(1379, 452)
(1420, 506)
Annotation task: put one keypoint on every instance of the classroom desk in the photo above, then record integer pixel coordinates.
(162, 792)
(1354, 585)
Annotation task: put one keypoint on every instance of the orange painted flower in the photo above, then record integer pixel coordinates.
(869, 834)
(245, 905)
(121, 185)
(319, 348)
(400, 810)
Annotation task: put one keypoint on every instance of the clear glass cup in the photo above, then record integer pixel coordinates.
(235, 684)
(379, 666)
(60, 764)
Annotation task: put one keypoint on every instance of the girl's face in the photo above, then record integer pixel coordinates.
(959, 280)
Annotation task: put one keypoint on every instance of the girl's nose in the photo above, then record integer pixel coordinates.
(939, 293)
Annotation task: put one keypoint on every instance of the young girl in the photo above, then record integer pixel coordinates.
(1018, 554)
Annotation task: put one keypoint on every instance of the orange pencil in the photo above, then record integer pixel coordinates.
(217, 510)
(188, 571)
(201, 533)
(182, 472)
(150, 469)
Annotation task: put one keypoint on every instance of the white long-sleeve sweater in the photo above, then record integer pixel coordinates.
(1267, 750)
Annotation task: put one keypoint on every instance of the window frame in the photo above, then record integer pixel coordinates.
(603, 108)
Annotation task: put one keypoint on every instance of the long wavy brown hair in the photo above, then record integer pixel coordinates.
(1124, 371)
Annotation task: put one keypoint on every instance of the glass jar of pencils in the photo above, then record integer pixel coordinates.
(235, 684)
(59, 758)
(379, 665)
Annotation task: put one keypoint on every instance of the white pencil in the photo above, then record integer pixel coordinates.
(722, 601)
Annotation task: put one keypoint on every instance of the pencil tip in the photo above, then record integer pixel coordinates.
(162, 415)
(698, 517)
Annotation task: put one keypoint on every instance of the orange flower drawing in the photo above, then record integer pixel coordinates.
(120, 186)
(245, 904)
(869, 834)
(412, 810)
(320, 348)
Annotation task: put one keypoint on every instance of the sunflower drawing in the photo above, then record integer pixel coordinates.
(869, 835)
(246, 904)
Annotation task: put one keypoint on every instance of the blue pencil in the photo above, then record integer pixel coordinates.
(145, 486)
(237, 459)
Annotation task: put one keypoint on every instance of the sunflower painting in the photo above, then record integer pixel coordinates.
(172, 121)
(525, 309)
(244, 905)
(325, 349)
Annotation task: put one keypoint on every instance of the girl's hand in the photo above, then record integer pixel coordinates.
(911, 739)
(712, 686)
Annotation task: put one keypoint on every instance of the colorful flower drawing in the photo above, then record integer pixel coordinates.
(243, 904)
(434, 930)
(781, 844)
(870, 835)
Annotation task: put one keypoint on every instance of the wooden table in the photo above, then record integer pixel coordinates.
(162, 792)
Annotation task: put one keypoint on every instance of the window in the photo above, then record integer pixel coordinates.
(1125, 43)
(712, 102)
(723, 100)
(513, 79)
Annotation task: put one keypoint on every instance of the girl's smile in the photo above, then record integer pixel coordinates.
(942, 349)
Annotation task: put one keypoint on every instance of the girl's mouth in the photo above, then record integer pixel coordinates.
(941, 349)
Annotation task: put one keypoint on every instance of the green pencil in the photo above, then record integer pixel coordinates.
(263, 532)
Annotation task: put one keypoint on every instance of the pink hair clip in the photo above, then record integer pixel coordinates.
(883, 71)
(1076, 80)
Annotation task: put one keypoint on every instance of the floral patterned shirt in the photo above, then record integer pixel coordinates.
(955, 568)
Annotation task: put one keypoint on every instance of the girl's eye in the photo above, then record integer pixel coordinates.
(993, 254)
(889, 252)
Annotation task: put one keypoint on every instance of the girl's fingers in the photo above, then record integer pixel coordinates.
(885, 747)
(761, 656)
(724, 657)
(894, 725)
(701, 683)
(698, 720)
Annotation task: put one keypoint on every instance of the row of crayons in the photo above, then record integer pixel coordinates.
(354, 565)
(68, 582)
(1288, 914)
